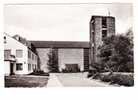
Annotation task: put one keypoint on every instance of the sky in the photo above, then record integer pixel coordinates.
(62, 22)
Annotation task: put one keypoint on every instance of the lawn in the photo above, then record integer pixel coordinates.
(26, 81)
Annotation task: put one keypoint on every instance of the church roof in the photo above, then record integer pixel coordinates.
(60, 44)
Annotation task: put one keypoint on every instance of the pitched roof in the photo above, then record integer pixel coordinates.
(60, 44)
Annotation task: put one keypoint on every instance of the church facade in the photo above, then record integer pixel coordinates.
(81, 54)
(68, 54)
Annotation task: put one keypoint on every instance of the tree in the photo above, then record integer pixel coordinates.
(116, 53)
(52, 61)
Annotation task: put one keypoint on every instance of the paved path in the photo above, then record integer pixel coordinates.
(73, 80)
(53, 81)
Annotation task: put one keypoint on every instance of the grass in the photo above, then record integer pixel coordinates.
(25, 81)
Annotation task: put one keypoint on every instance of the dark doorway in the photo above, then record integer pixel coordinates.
(11, 69)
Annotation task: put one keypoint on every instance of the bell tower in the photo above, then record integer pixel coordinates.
(100, 27)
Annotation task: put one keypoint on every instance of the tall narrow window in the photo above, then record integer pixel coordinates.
(32, 56)
(104, 34)
(29, 67)
(104, 23)
(19, 53)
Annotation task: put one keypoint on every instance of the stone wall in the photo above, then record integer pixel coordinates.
(96, 34)
(65, 56)
(70, 56)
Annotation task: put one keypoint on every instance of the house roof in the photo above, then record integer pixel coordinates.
(60, 44)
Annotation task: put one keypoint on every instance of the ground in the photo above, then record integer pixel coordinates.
(55, 80)
(25, 81)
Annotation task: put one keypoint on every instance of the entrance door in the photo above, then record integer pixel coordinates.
(11, 69)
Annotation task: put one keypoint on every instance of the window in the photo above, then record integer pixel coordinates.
(4, 39)
(104, 34)
(32, 56)
(19, 66)
(19, 53)
(29, 54)
(35, 58)
(104, 23)
(35, 66)
(29, 67)
(7, 54)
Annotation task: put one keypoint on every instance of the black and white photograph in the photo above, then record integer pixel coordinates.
(68, 45)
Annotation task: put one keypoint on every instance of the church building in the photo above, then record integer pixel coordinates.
(69, 55)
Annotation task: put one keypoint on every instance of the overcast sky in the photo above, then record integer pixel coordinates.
(58, 22)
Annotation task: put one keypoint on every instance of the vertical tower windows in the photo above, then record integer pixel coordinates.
(104, 23)
(104, 34)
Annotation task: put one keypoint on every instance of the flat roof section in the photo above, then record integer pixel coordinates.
(60, 44)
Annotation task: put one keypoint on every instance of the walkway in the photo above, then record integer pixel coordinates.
(73, 80)
(53, 81)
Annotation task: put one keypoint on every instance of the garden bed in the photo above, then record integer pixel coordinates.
(125, 79)
(39, 73)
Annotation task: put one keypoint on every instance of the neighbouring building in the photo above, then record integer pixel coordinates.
(19, 55)
(68, 54)
(100, 27)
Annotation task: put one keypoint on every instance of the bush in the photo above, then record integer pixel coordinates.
(96, 76)
(39, 72)
(126, 80)
(106, 78)
(95, 70)
(116, 53)
(89, 75)
(121, 79)
(71, 68)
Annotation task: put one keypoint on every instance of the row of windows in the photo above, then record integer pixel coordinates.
(32, 56)
(19, 53)
(19, 67)
(31, 67)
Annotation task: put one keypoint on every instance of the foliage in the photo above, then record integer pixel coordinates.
(116, 54)
(121, 79)
(52, 61)
(73, 68)
(39, 73)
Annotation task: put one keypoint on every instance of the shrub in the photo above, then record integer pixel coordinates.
(39, 72)
(71, 68)
(95, 70)
(96, 76)
(106, 78)
(116, 53)
(89, 75)
(121, 79)
(126, 80)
